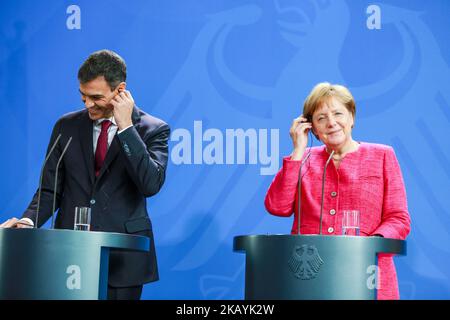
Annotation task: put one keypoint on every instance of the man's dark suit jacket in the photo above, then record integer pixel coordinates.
(134, 169)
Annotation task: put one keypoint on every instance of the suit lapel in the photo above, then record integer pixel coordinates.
(135, 117)
(115, 146)
(86, 141)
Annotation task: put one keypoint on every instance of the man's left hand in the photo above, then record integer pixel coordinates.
(16, 223)
(123, 104)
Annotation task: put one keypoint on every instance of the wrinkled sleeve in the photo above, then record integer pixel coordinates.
(395, 219)
(280, 197)
(146, 157)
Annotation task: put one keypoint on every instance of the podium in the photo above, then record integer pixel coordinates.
(310, 267)
(46, 264)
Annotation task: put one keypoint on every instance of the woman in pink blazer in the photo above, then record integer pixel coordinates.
(361, 176)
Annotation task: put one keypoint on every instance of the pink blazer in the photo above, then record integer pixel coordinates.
(368, 180)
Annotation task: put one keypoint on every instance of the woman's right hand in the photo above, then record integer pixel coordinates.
(299, 135)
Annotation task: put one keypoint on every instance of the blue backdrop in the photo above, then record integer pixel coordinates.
(229, 76)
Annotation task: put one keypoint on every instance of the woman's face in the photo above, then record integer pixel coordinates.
(332, 122)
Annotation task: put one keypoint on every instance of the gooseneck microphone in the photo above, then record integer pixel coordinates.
(323, 189)
(56, 181)
(299, 191)
(40, 179)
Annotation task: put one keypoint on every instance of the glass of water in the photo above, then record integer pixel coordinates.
(350, 223)
(82, 219)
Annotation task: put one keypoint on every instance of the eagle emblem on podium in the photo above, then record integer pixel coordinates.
(305, 262)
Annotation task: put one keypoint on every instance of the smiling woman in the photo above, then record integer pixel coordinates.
(332, 110)
(329, 112)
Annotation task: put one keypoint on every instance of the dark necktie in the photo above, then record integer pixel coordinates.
(102, 146)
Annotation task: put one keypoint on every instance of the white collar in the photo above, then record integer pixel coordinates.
(99, 121)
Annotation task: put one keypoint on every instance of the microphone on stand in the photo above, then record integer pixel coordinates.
(56, 180)
(323, 189)
(40, 179)
(299, 191)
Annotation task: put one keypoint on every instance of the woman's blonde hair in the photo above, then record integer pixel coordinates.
(324, 91)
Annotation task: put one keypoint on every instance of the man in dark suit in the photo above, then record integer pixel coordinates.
(117, 159)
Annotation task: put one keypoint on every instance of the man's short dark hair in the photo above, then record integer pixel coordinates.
(104, 63)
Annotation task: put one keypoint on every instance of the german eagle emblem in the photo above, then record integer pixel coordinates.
(305, 262)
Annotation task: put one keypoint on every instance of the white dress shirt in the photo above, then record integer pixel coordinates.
(113, 129)
(98, 128)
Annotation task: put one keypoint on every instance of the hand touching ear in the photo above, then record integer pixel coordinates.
(299, 135)
(123, 104)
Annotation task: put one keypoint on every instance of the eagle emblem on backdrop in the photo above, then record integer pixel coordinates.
(305, 262)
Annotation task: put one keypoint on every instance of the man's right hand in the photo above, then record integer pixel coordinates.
(15, 223)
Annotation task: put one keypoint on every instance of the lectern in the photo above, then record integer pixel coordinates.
(59, 264)
(313, 266)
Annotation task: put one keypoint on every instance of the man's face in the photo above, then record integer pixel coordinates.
(96, 95)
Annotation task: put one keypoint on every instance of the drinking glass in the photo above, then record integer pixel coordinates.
(350, 223)
(82, 219)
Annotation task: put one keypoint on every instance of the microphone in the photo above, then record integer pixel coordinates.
(56, 180)
(299, 191)
(40, 179)
(323, 189)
